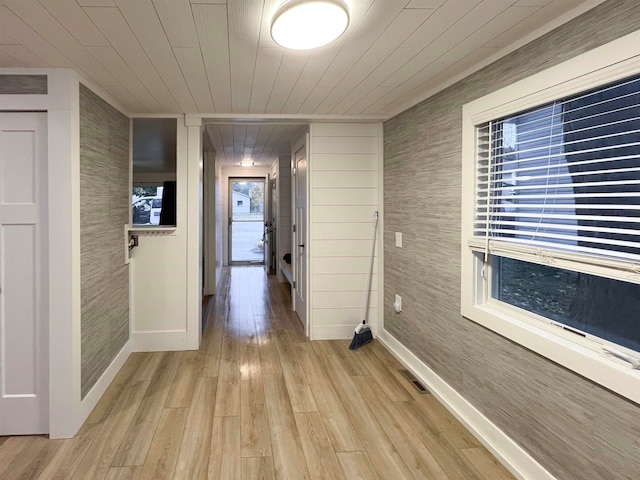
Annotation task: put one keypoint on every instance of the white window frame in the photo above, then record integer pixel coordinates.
(585, 356)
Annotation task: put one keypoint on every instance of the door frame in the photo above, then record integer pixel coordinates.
(302, 142)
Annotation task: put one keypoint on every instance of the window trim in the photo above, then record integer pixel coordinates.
(608, 63)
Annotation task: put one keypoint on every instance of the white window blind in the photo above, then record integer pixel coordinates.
(563, 177)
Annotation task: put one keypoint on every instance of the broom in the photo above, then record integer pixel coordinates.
(363, 334)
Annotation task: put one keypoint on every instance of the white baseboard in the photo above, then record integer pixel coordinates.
(509, 453)
(159, 341)
(91, 399)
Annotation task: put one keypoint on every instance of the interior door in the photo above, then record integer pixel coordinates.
(24, 376)
(300, 245)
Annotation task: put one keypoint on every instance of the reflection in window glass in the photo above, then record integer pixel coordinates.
(603, 307)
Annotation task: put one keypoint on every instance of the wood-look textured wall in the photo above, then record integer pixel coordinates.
(575, 429)
(105, 201)
(23, 84)
(343, 175)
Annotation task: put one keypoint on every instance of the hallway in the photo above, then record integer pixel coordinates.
(258, 401)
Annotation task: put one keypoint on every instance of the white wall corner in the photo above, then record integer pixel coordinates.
(308, 328)
(522, 465)
(194, 231)
(63, 118)
(379, 325)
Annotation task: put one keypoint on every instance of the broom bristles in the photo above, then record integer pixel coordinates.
(361, 338)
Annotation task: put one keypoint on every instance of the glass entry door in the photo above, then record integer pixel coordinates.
(246, 221)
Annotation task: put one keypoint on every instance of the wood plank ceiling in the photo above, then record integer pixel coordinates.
(216, 56)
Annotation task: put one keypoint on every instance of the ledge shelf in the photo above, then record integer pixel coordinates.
(151, 229)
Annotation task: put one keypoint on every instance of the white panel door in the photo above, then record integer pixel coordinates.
(300, 246)
(24, 378)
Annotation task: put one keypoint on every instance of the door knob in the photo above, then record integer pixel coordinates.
(301, 245)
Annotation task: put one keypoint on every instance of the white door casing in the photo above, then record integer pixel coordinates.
(24, 375)
(266, 217)
(300, 236)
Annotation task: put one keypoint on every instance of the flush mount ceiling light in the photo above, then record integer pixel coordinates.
(247, 163)
(305, 24)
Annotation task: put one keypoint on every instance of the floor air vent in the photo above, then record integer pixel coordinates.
(414, 381)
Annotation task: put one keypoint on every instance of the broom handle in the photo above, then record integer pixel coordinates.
(373, 251)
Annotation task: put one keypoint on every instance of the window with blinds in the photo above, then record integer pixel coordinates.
(564, 176)
(562, 182)
(550, 213)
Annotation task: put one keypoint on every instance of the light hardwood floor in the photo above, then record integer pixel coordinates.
(258, 401)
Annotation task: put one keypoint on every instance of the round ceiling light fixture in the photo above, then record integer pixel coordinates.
(306, 24)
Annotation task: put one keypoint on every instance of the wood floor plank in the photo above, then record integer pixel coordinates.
(352, 359)
(457, 434)
(487, 464)
(384, 456)
(103, 408)
(417, 457)
(249, 355)
(288, 456)
(269, 357)
(10, 449)
(254, 426)
(318, 451)
(322, 347)
(342, 434)
(452, 460)
(393, 389)
(257, 468)
(211, 347)
(70, 453)
(181, 391)
(130, 367)
(299, 391)
(32, 459)
(135, 444)
(97, 460)
(163, 451)
(147, 367)
(224, 458)
(228, 396)
(385, 356)
(413, 392)
(193, 458)
(357, 465)
(123, 473)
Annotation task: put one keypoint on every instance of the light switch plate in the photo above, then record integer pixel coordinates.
(399, 239)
